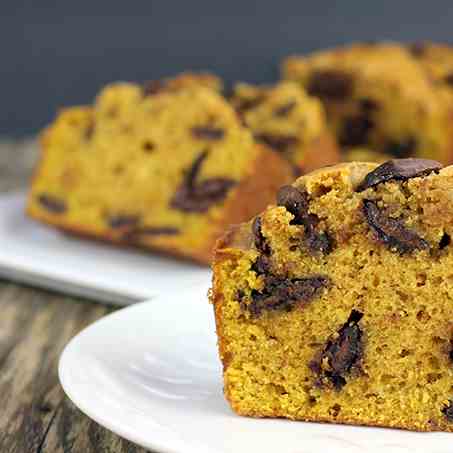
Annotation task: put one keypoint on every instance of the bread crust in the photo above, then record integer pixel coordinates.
(323, 151)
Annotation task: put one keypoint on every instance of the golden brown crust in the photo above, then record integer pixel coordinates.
(323, 151)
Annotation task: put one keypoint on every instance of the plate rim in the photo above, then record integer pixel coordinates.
(109, 424)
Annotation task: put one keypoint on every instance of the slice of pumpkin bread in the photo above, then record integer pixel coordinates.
(165, 166)
(289, 121)
(389, 97)
(336, 305)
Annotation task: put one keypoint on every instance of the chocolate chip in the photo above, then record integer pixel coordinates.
(123, 221)
(260, 240)
(52, 204)
(402, 149)
(417, 49)
(244, 105)
(285, 293)
(445, 241)
(447, 410)
(213, 189)
(330, 84)
(262, 265)
(285, 109)
(368, 105)
(192, 173)
(399, 170)
(201, 197)
(341, 354)
(355, 130)
(240, 297)
(279, 143)
(208, 133)
(89, 131)
(390, 231)
(152, 87)
(148, 146)
(193, 196)
(296, 202)
(316, 241)
(448, 79)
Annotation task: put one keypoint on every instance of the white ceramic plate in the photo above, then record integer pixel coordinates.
(38, 255)
(150, 373)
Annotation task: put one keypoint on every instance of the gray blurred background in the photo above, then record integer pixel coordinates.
(57, 53)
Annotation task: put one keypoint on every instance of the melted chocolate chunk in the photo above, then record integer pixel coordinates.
(89, 131)
(201, 197)
(52, 204)
(447, 410)
(330, 84)
(416, 49)
(285, 109)
(296, 202)
(355, 130)
(401, 149)
(445, 241)
(260, 240)
(448, 79)
(244, 105)
(210, 133)
(192, 173)
(341, 354)
(193, 196)
(262, 265)
(285, 293)
(153, 87)
(123, 221)
(279, 143)
(399, 170)
(368, 105)
(214, 189)
(390, 231)
(148, 146)
(316, 241)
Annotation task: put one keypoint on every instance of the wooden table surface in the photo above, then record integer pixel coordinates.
(35, 325)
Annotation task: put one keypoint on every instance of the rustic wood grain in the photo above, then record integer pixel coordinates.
(35, 325)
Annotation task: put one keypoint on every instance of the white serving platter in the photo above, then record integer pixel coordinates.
(38, 255)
